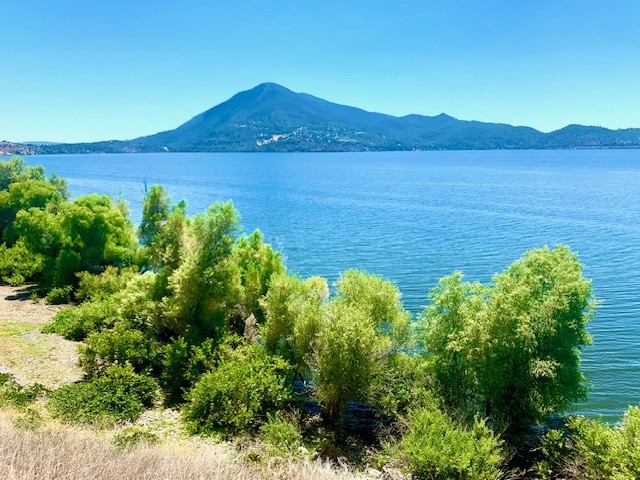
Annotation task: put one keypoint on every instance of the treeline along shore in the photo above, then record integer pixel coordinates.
(192, 314)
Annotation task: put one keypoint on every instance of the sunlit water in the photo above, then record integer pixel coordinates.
(414, 217)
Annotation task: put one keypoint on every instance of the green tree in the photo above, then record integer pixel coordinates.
(510, 351)
(257, 262)
(295, 311)
(9, 171)
(155, 212)
(37, 194)
(206, 285)
(366, 326)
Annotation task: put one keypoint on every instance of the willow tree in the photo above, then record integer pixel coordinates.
(510, 351)
(365, 326)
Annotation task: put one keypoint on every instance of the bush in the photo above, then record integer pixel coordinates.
(120, 395)
(76, 323)
(119, 345)
(630, 433)
(247, 385)
(59, 295)
(16, 395)
(18, 265)
(96, 287)
(510, 350)
(435, 447)
(281, 436)
(183, 365)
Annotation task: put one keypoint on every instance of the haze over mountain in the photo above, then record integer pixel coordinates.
(272, 118)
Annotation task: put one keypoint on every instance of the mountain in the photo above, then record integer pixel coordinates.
(272, 118)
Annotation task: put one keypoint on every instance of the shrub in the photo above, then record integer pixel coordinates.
(59, 295)
(591, 449)
(630, 433)
(120, 395)
(183, 365)
(16, 395)
(119, 345)
(78, 322)
(18, 264)
(282, 436)
(97, 287)
(510, 350)
(238, 394)
(435, 448)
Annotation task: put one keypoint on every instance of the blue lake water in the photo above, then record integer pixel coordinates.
(415, 217)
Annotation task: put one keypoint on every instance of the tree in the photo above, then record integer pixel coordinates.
(295, 311)
(257, 262)
(89, 233)
(25, 195)
(206, 285)
(510, 351)
(365, 327)
(155, 212)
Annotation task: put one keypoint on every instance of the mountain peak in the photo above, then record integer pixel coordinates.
(270, 117)
(269, 87)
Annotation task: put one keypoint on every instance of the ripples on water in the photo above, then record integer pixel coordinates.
(414, 217)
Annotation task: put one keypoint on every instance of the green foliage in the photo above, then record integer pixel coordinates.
(89, 233)
(16, 395)
(346, 357)
(365, 327)
(206, 286)
(24, 196)
(166, 251)
(78, 322)
(434, 447)
(404, 383)
(257, 262)
(59, 295)
(18, 265)
(98, 234)
(607, 452)
(183, 365)
(10, 171)
(294, 311)
(510, 351)
(98, 287)
(238, 394)
(119, 395)
(591, 449)
(121, 344)
(281, 435)
(155, 211)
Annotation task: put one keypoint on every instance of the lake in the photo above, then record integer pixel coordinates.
(414, 217)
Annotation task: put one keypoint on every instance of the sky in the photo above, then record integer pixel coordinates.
(77, 70)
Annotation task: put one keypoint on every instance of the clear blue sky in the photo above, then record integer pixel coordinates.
(78, 70)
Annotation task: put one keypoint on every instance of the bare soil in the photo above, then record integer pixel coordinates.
(26, 352)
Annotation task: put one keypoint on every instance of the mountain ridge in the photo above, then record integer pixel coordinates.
(272, 118)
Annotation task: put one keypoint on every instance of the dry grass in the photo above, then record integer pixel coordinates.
(65, 453)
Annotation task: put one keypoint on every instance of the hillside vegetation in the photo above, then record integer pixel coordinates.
(272, 118)
(191, 314)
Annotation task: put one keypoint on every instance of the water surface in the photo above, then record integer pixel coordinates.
(414, 217)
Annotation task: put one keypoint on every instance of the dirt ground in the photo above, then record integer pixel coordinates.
(27, 353)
